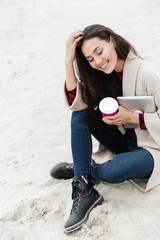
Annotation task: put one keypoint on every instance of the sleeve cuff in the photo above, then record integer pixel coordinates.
(70, 95)
(141, 121)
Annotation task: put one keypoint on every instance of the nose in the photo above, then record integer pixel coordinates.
(98, 61)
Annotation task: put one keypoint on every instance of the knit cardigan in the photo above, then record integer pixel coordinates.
(139, 79)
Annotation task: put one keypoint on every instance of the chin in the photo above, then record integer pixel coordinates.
(109, 71)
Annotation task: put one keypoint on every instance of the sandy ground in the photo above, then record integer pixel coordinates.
(34, 122)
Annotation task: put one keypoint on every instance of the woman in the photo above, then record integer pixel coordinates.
(107, 65)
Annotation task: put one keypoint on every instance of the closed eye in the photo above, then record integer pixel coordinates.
(89, 59)
(99, 52)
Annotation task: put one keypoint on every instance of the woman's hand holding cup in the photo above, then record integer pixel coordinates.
(114, 114)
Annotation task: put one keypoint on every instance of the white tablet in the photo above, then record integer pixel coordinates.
(137, 104)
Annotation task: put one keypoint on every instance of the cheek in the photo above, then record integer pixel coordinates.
(92, 64)
(110, 54)
(114, 57)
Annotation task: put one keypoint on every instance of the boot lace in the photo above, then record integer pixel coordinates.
(75, 196)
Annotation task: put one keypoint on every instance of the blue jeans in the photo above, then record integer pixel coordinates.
(129, 162)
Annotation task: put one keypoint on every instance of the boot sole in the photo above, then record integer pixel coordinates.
(78, 225)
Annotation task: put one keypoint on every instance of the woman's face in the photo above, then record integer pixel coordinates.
(102, 55)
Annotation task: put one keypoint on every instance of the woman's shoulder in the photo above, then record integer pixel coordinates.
(149, 75)
(144, 66)
(143, 63)
(143, 69)
(148, 69)
(132, 57)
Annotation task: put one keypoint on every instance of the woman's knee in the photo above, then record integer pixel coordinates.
(109, 172)
(117, 173)
(115, 176)
(79, 119)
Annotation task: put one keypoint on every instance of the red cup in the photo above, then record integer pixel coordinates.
(108, 106)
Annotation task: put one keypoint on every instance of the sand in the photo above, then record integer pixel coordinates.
(35, 124)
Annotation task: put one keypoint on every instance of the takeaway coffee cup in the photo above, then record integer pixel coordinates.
(108, 106)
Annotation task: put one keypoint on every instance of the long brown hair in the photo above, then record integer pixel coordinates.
(97, 84)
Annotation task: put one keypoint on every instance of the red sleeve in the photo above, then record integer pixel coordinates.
(70, 95)
(141, 121)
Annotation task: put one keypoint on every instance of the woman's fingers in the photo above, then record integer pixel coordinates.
(74, 36)
(71, 43)
(123, 116)
(77, 39)
(77, 33)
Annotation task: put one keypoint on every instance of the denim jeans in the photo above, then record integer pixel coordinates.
(129, 161)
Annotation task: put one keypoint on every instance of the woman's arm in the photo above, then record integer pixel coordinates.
(71, 82)
(74, 38)
(150, 121)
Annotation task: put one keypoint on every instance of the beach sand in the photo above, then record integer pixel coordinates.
(35, 123)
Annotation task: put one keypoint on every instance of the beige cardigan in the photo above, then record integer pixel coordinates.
(139, 79)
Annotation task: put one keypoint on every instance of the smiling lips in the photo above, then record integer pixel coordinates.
(104, 66)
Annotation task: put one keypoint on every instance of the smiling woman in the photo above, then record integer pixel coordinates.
(103, 50)
(102, 55)
(107, 66)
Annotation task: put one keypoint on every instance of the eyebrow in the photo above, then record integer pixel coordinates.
(93, 51)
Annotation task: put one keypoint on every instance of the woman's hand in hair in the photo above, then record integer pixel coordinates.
(123, 116)
(71, 43)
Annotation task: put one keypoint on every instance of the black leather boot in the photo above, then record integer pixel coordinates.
(85, 198)
(64, 170)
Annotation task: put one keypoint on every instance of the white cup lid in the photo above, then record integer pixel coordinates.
(108, 105)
